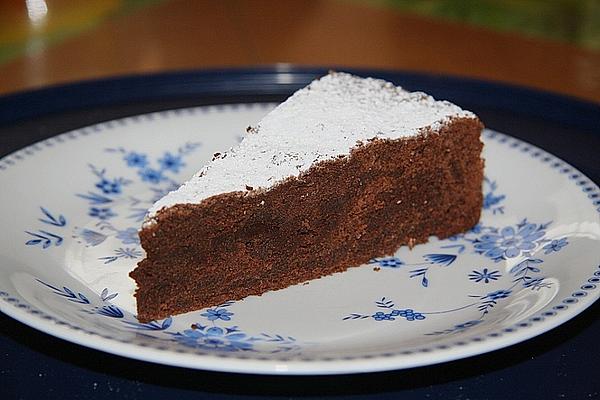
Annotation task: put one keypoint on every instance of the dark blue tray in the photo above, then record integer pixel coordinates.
(559, 364)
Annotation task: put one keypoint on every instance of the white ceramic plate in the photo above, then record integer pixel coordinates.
(72, 204)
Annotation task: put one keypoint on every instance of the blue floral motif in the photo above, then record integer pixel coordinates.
(151, 326)
(102, 213)
(91, 238)
(171, 162)
(526, 266)
(460, 247)
(106, 296)
(214, 338)
(43, 237)
(440, 259)
(217, 313)
(489, 300)
(167, 163)
(555, 245)
(67, 293)
(105, 309)
(129, 236)
(390, 314)
(491, 200)
(284, 343)
(468, 324)
(387, 262)
(485, 275)
(511, 242)
(109, 311)
(535, 283)
(420, 272)
(228, 339)
(107, 190)
(477, 229)
(151, 175)
(457, 328)
(211, 337)
(522, 272)
(381, 316)
(125, 253)
(109, 187)
(408, 314)
(136, 160)
(498, 294)
(95, 198)
(49, 219)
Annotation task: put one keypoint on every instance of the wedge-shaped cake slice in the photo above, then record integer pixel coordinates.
(345, 170)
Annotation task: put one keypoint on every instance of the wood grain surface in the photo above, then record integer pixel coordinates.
(180, 35)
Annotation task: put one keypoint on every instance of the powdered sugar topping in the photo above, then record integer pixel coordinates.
(320, 122)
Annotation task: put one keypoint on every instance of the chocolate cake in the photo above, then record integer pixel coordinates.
(345, 170)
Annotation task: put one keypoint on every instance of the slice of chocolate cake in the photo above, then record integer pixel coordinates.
(345, 170)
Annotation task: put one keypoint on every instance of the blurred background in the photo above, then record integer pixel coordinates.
(546, 44)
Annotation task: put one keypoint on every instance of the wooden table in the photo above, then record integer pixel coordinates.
(178, 35)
